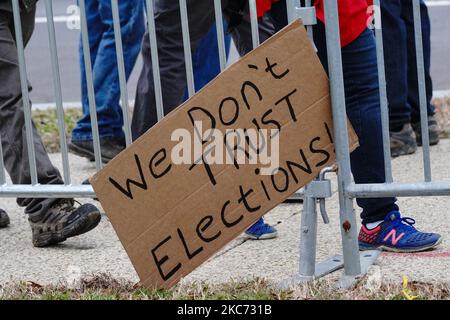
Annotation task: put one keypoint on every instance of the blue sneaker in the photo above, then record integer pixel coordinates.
(397, 234)
(261, 231)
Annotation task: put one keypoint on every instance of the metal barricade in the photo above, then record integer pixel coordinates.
(354, 264)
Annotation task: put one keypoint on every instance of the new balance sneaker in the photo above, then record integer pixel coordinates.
(4, 219)
(261, 231)
(397, 234)
(63, 221)
(403, 142)
(433, 131)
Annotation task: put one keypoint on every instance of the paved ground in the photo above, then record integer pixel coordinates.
(100, 250)
(67, 38)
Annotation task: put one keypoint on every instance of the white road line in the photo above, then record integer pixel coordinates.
(441, 94)
(441, 3)
(58, 19)
(66, 105)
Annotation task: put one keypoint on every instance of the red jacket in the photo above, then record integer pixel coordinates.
(353, 16)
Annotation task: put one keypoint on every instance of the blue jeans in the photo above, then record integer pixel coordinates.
(400, 61)
(362, 99)
(205, 60)
(104, 64)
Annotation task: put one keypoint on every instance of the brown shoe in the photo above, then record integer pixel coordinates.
(403, 142)
(433, 131)
(63, 221)
(4, 219)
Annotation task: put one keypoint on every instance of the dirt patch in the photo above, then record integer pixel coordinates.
(443, 115)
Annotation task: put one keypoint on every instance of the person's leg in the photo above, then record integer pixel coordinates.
(12, 120)
(83, 129)
(51, 220)
(394, 41)
(413, 87)
(105, 71)
(363, 110)
(171, 59)
(395, 53)
(382, 225)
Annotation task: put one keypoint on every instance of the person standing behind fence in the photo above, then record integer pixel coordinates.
(401, 75)
(383, 227)
(51, 220)
(106, 75)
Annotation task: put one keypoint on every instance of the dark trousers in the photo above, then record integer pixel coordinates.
(171, 56)
(12, 121)
(400, 61)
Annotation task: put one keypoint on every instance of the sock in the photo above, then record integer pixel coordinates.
(373, 225)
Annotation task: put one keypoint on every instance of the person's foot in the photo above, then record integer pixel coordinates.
(63, 221)
(397, 234)
(4, 219)
(433, 131)
(110, 147)
(403, 142)
(261, 231)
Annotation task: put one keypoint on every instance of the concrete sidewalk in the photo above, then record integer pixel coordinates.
(101, 251)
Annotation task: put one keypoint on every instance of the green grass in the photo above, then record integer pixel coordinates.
(104, 287)
(46, 122)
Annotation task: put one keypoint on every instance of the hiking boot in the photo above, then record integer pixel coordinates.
(4, 219)
(403, 142)
(261, 231)
(110, 147)
(397, 234)
(433, 131)
(63, 221)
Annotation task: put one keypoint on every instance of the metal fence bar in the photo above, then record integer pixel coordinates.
(309, 29)
(352, 263)
(254, 23)
(121, 69)
(90, 85)
(25, 93)
(422, 90)
(155, 59)
(187, 48)
(57, 88)
(383, 93)
(381, 190)
(220, 34)
(291, 6)
(308, 238)
(47, 191)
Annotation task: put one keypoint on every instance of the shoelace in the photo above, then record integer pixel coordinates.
(406, 221)
(65, 205)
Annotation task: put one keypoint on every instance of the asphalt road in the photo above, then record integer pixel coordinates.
(39, 67)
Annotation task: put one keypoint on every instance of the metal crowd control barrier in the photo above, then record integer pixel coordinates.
(354, 264)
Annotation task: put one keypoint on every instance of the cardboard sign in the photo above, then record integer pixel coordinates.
(172, 217)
